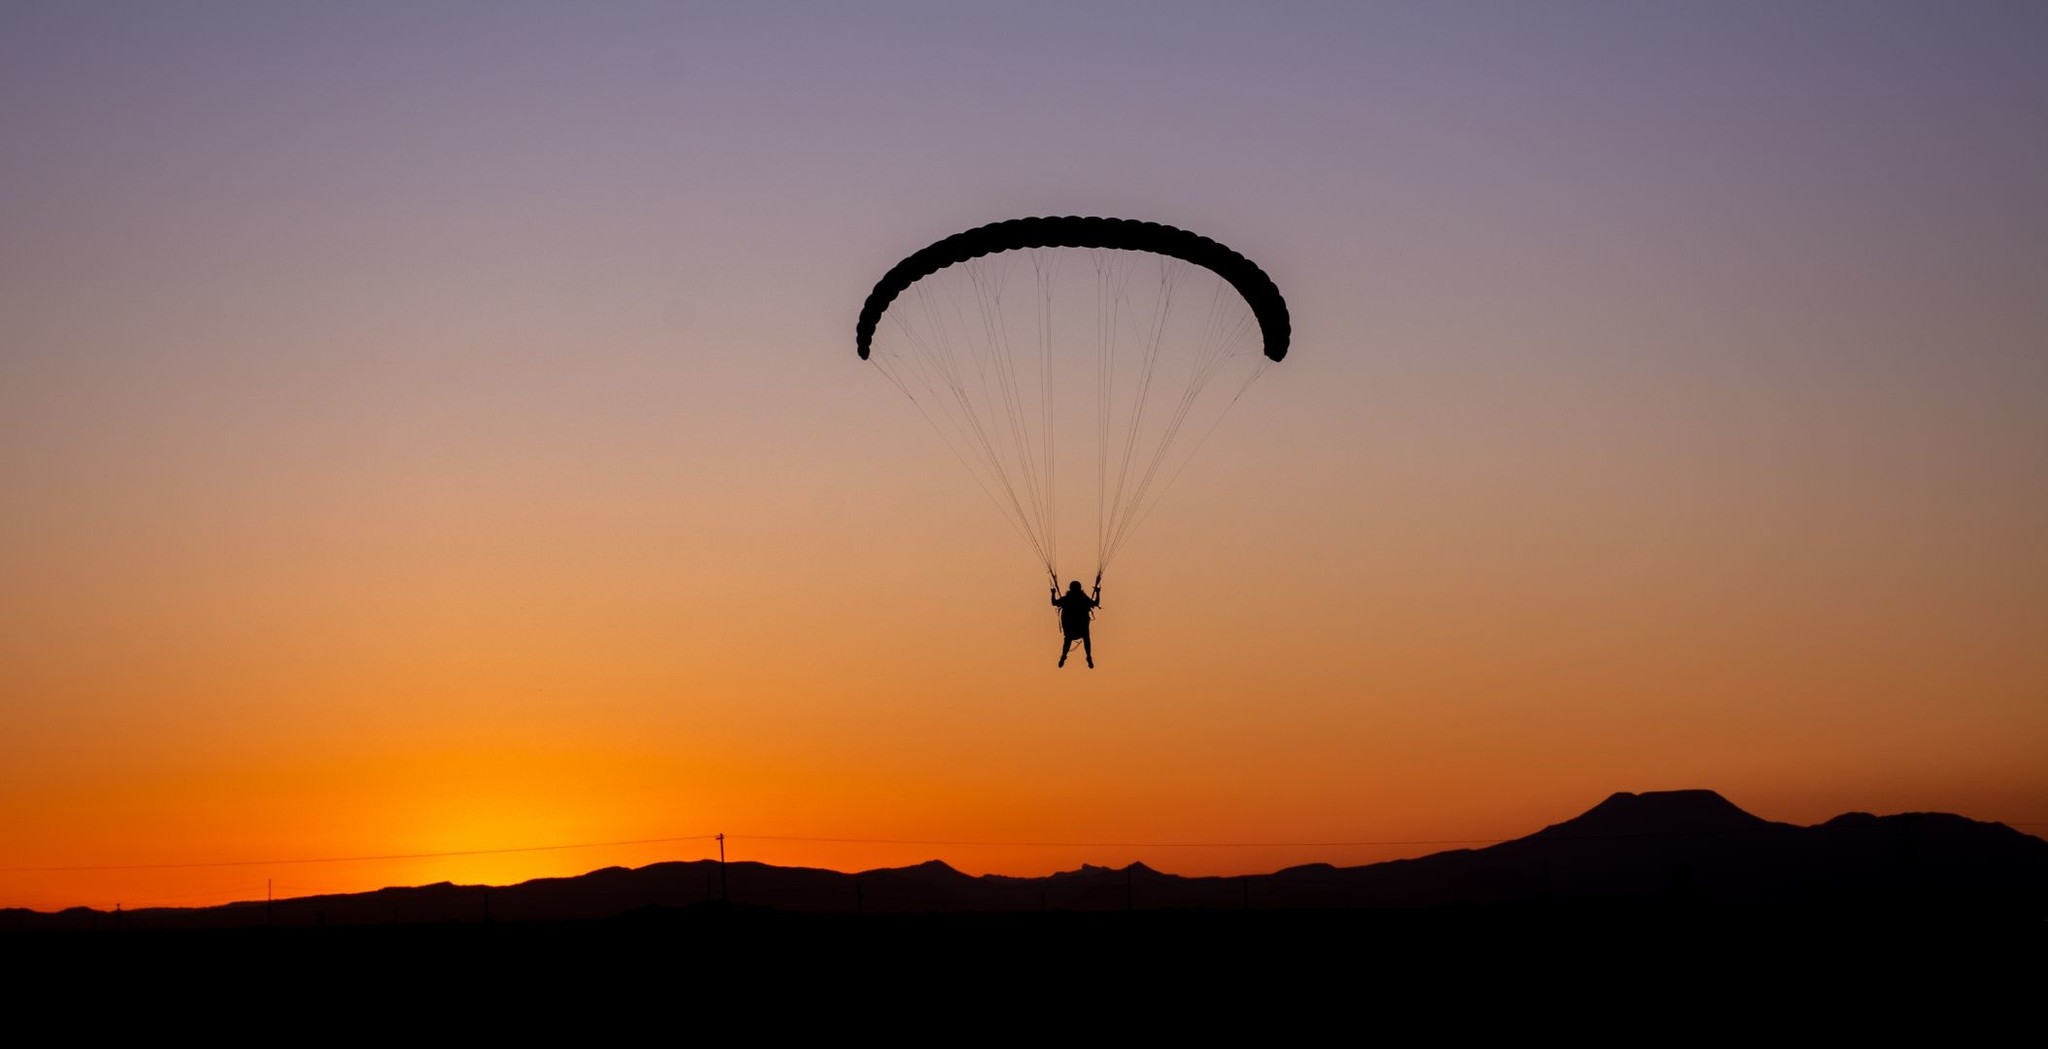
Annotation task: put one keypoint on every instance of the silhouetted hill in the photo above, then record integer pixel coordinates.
(1682, 849)
(1659, 814)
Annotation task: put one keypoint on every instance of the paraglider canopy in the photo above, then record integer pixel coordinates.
(1073, 231)
(997, 333)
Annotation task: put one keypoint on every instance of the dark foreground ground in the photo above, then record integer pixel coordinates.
(1644, 974)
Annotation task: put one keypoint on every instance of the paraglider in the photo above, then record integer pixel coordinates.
(1012, 338)
(1076, 611)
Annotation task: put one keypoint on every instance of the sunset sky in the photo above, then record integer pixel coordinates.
(436, 428)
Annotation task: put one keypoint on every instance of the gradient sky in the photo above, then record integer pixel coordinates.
(431, 428)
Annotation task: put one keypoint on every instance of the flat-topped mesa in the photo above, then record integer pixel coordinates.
(1659, 813)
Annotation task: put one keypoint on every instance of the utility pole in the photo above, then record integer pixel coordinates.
(724, 894)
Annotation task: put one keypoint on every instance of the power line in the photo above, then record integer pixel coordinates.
(355, 859)
(756, 837)
(1117, 844)
(950, 842)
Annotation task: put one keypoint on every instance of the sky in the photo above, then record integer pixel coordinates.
(434, 447)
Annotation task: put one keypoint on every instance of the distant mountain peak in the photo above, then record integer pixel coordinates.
(1657, 812)
(929, 868)
(1087, 870)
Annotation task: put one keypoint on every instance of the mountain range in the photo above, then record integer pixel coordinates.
(1669, 849)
